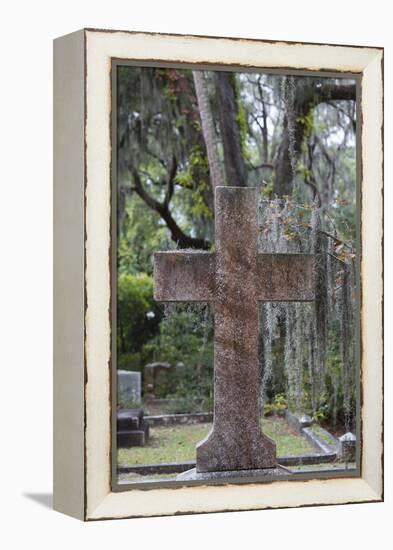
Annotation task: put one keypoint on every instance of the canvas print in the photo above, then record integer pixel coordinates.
(236, 326)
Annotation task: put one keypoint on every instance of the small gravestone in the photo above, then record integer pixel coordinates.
(234, 278)
(152, 374)
(132, 429)
(298, 421)
(129, 390)
(347, 447)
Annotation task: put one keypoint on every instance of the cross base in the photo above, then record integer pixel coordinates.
(193, 475)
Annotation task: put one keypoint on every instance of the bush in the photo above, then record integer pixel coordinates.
(132, 361)
(277, 405)
(138, 315)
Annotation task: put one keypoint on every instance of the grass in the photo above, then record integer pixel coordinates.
(166, 444)
(177, 443)
(289, 443)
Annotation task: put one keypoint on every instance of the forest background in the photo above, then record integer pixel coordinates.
(180, 134)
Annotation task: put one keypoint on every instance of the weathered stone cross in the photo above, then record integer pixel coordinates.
(234, 279)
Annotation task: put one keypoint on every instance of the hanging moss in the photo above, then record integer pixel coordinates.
(319, 341)
(321, 287)
(241, 118)
(269, 314)
(347, 345)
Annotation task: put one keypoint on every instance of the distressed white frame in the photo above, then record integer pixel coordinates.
(98, 499)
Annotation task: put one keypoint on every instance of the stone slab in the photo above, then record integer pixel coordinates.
(177, 467)
(319, 443)
(133, 438)
(129, 419)
(193, 475)
(182, 419)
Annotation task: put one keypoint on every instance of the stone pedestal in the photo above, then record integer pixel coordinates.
(132, 429)
(193, 475)
(347, 447)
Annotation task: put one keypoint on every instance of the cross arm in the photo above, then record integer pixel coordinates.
(286, 277)
(184, 276)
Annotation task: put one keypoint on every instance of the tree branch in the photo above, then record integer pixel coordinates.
(263, 165)
(162, 208)
(335, 92)
(170, 182)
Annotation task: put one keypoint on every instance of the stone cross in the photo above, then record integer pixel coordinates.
(234, 279)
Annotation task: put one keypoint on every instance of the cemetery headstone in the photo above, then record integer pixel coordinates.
(151, 374)
(234, 278)
(132, 429)
(298, 421)
(129, 390)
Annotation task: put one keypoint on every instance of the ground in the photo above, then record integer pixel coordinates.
(177, 443)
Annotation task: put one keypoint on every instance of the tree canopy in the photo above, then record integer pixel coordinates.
(181, 133)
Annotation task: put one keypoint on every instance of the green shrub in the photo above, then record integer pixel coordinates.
(138, 315)
(131, 361)
(277, 405)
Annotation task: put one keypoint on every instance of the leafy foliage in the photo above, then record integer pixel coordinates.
(141, 235)
(134, 304)
(186, 337)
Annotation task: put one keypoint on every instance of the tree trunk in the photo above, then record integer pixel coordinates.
(209, 134)
(308, 94)
(234, 164)
(283, 182)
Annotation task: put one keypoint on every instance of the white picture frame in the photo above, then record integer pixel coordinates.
(82, 256)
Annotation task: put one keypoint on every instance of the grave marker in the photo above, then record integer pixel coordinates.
(129, 386)
(234, 279)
